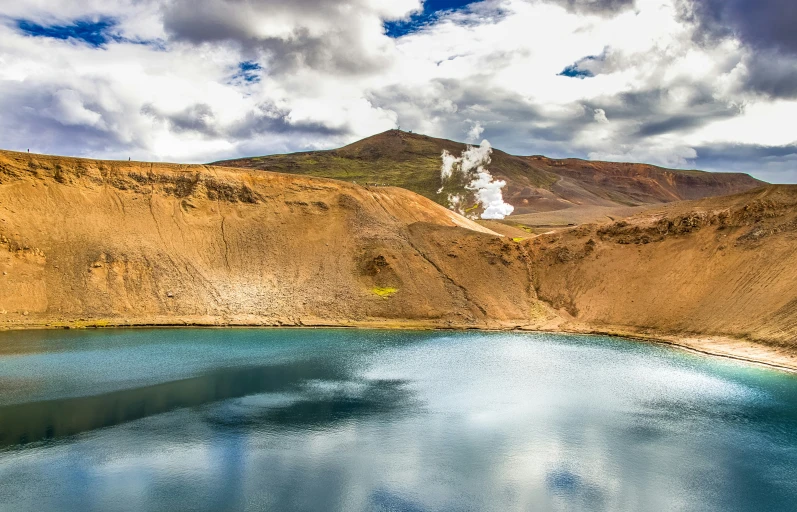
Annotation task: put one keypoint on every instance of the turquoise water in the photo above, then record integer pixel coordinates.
(386, 421)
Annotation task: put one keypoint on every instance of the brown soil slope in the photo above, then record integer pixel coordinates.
(721, 266)
(534, 183)
(86, 242)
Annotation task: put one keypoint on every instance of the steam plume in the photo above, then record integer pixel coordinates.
(471, 166)
(475, 131)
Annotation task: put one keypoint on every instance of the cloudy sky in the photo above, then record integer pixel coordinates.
(708, 84)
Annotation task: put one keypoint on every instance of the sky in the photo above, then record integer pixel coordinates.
(706, 84)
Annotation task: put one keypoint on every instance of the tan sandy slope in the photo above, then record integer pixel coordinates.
(86, 242)
(723, 266)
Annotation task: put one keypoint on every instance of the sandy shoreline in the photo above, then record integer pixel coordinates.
(714, 346)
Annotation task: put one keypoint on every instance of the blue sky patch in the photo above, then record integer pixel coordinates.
(248, 71)
(94, 33)
(574, 72)
(581, 68)
(431, 11)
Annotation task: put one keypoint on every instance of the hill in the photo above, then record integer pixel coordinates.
(86, 242)
(724, 266)
(99, 243)
(534, 183)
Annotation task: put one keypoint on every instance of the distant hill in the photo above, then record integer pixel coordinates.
(534, 183)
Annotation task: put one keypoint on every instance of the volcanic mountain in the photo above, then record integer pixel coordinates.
(104, 243)
(534, 183)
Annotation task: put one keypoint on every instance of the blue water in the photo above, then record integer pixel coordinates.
(351, 420)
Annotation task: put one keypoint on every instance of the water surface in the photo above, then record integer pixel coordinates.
(247, 419)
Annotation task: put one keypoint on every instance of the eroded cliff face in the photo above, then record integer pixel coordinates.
(91, 243)
(721, 266)
(87, 242)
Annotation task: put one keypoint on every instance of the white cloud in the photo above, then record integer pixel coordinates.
(664, 155)
(763, 122)
(475, 131)
(329, 75)
(600, 116)
(68, 109)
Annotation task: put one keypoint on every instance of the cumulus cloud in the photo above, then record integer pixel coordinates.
(775, 164)
(475, 131)
(761, 24)
(769, 73)
(602, 7)
(211, 79)
(665, 155)
(600, 116)
(69, 109)
(336, 36)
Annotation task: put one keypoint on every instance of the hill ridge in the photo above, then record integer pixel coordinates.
(534, 183)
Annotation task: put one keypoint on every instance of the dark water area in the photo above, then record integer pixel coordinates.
(356, 420)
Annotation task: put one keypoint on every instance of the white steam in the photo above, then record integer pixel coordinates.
(488, 192)
(455, 202)
(475, 131)
(447, 170)
(472, 166)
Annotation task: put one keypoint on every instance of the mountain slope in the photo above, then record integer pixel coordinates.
(94, 243)
(107, 243)
(534, 183)
(720, 266)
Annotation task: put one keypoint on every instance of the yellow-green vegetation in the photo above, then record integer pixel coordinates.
(329, 165)
(384, 292)
(538, 310)
(518, 239)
